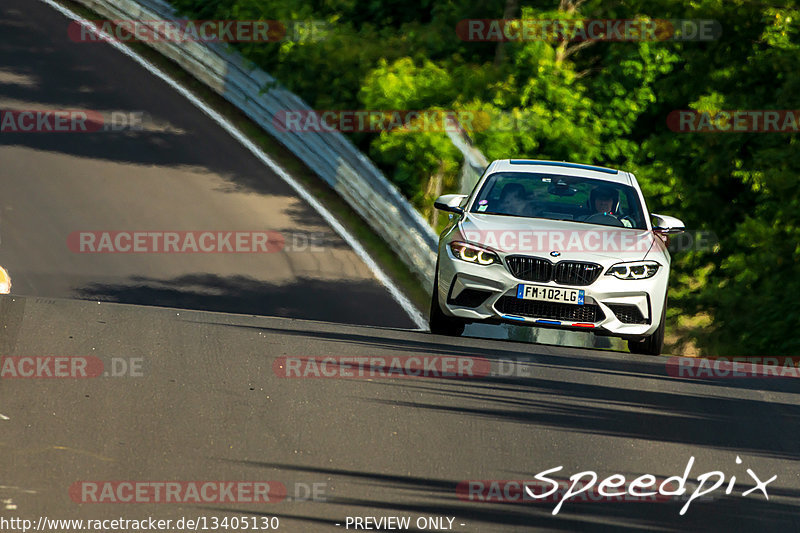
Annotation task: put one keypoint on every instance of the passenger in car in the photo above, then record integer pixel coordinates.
(514, 200)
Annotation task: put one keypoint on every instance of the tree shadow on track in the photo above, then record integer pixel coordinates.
(42, 68)
(346, 302)
(629, 401)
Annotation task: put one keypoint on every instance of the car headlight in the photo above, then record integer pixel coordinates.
(634, 270)
(473, 254)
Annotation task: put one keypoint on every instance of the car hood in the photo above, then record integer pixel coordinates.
(571, 240)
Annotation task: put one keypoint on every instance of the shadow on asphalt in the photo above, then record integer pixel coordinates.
(437, 497)
(38, 54)
(341, 302)
(611, 363)
(621, 408)
(36, 49)
(710, 417)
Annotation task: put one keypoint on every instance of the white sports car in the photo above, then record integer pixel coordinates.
(554, 244)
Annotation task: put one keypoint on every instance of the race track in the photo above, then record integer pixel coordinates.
(190, 388)
(178, 172)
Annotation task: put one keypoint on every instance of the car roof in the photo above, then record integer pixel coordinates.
(563, 168)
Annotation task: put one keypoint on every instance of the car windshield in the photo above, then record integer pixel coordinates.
(559, 197)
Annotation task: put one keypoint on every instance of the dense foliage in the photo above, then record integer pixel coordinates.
(600, 102)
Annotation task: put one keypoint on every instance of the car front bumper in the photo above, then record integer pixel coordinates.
(625, 308)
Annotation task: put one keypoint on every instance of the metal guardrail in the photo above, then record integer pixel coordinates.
(329, 154)
(474, 160)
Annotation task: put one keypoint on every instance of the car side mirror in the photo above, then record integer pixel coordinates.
(667, 225)
(450, 203)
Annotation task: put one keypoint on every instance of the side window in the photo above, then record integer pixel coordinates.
(630, 207)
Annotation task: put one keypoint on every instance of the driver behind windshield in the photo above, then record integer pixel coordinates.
(605, 201)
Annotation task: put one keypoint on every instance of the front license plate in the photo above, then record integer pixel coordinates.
(550, 294)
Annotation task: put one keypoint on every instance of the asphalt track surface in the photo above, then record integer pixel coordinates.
(208, 401)
(180, 172)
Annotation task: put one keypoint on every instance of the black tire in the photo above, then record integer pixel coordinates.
(439, 323)
(653, 344)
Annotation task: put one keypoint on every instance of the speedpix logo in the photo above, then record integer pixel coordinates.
(589, 487)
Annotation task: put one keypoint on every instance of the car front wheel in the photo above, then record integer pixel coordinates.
(439, 323)
(653, 344)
